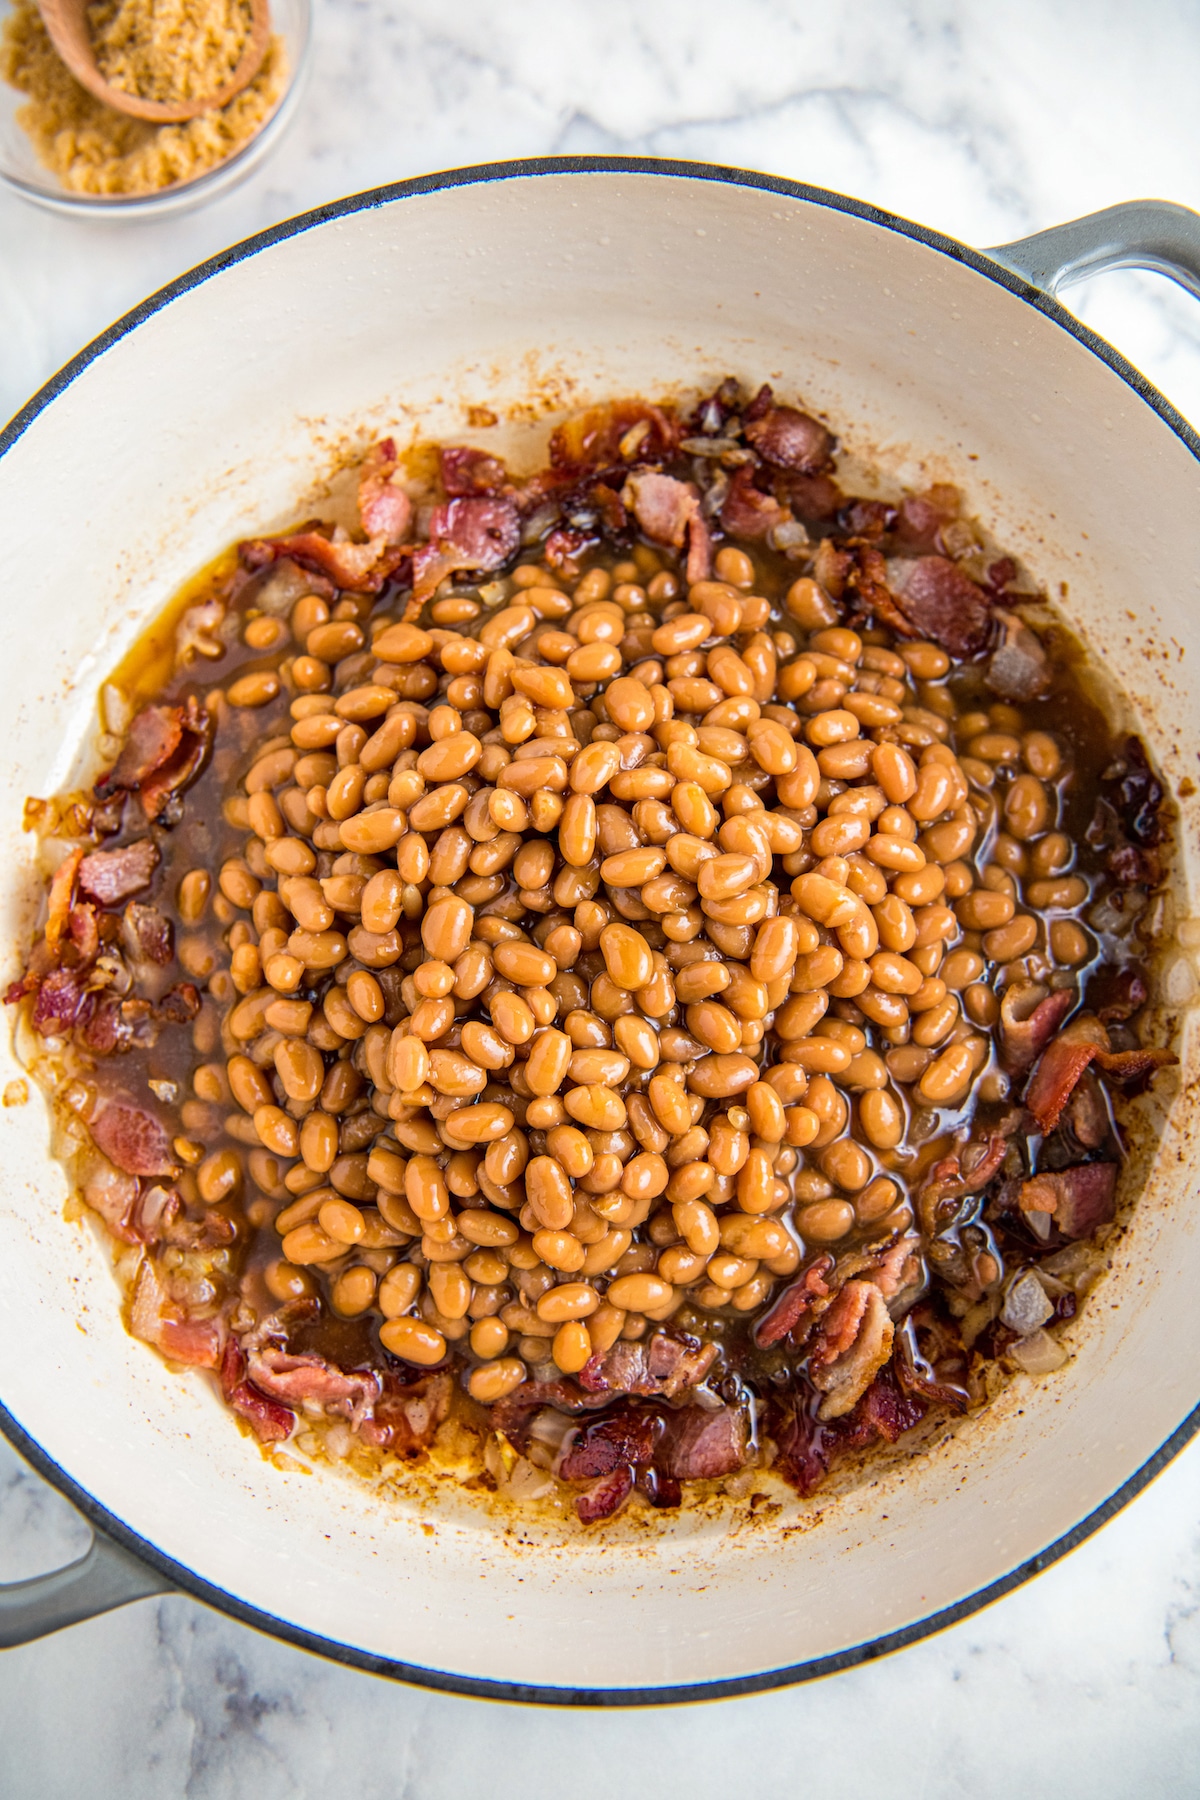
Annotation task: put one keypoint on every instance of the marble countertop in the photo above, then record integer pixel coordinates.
(988, 122)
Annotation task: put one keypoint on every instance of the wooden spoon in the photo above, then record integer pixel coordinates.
(66, 23)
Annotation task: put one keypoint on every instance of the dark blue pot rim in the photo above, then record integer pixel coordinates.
(532, 1693)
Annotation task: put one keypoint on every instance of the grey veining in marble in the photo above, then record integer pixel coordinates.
(988, 121)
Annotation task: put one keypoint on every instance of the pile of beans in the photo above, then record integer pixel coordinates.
(584, 959)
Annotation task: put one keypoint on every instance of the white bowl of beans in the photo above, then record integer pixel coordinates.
(672, 954)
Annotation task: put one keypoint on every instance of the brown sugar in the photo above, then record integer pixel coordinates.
(170, 50)
(161, 50)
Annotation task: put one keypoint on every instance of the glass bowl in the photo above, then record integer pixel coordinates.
(24, 174)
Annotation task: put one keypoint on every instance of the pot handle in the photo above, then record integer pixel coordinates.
(106, 1577)
(1138, 234)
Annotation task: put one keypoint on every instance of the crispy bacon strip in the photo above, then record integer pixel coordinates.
(133, 1139)
(384, 509)
(1029, 1017)
(790, 439)
(664, 1367)
(154, 736)
(269, 1421)
(477, 534)
(1079, 1199)
(61, 897)
(942, 603)
(1062, 1064)
(746, 510)
(109, 876)
(699, 1445)
(292, 1379)
(627, 1435)
(606, 1496)
(854, 1340)
(793, 1303)
(467, 472)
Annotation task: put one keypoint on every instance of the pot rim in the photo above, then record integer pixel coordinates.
(477, 1687)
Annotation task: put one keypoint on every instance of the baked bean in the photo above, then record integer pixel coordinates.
(826, 1221)
(640, 1293)
(1012, 940)
(847, 1164)
(1026, 807)
(947, 1079)
(882, 1118)
(984, 910)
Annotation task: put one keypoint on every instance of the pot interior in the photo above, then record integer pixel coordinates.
(221, 412)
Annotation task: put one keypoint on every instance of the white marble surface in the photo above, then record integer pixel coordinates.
(988, 120)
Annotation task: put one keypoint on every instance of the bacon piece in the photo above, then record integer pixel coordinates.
(198, 1342)
(865, 581)
(405, 1420)
(887, 1411)
(948, 1181)
(1029, 1017)
(606, 1496)
(384, 509)
(899, 1266)
(746, 511)
(699, 1445)
(148, 934)
(700, 550)
(662, 506)
(854, 1340)
(919, 519)
(60, 897)
(1116, 994)
(790, 439)
(60, 1003)
(105, 1030)
(668, 511)
(154, 736)
(602, 435)
(628, 1436)
(113, 1194)
(184, 766)
(831, 569)
(133, 1139)
(153, 1317)
(1053, 1080)
(84, 931)
(1079, 1199)
(1086, 1116)
(793, 1303)
(941, 603)
(565, 545)
(1063, 1062)
(466, 471)
(509, 1413)
(356, 568)
(179, 1005)
(803, 1445)
(109, 876)
(814, 498)
(1133, 1069)
(291, 1379)
(269, 1421)
(479, 535)
(662, 1368)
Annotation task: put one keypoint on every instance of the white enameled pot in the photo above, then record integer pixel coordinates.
(527, 289)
